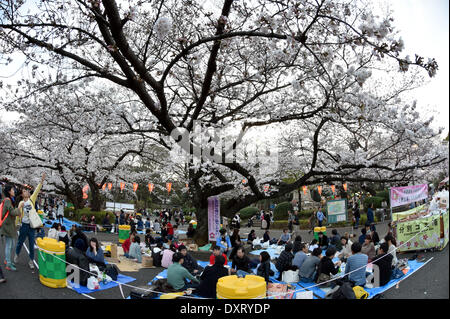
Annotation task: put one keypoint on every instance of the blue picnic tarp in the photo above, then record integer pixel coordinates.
(121, 279)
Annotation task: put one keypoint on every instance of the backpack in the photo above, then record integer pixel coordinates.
(345, 291)
(2, 219)
(144, 294)
(360, 293)
(112, 271)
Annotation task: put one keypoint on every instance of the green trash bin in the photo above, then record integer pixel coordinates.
(124, 233)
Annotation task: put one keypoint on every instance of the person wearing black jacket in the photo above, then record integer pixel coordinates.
(235, 239)
(210, 277)
(264, 267)
(384, 264)
(266, 236)
(80, 235)
(284, 262)
(323, 241)
(251, 236)
(240, 263)
(75, 256)
(297, 242)
(189, 262)
(326, 267)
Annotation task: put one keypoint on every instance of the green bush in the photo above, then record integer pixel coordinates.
(248, 212)
(187, 219)
(281, 211)
(279, 224)
(99, 216)
(384, 194)
(375, 200)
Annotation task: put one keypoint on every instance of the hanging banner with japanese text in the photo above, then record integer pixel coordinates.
(408, 194)
(213, 218)
(427, 239)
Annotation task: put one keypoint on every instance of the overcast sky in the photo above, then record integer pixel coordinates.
(424, 27)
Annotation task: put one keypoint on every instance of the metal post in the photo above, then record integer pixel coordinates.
(390, 203)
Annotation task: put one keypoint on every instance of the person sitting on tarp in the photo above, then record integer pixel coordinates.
(210, 277)
(300, 256)
(368, 248)
(189, 262)
(358, 261)
(335, 240)
(157, 254)
(296, 244)
(263, 269)
(224, 241)
(177, 275)
(217, 252)
(95, 252)
(79, 235)
(148, 239)
(127, 243)
(284, 238)
(140, 224)
(384, 263)
(63, 236)
(362, 238)
(326, 268)
(308, 270)
(75, 256)
(190, 231)
(284, 262)
(323, 241)
(251, 236)
(135, 250)
(167, 256)
(240, 263)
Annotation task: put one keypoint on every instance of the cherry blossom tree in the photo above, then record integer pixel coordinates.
(261, 65)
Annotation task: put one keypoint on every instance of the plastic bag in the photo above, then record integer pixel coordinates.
(290, 276)
(92, 283)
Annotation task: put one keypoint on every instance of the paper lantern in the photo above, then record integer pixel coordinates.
(244, 181)
(266, 188)
(169, 187)
(104, 187)
(345, 186)
(109, 186)
(333, 188)
(135, 186)
(305, 189)
(122, 186)
(319, 188)
(150, 187)
(85, 189)
(187, 185)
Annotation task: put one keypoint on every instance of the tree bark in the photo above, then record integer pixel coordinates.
(96, 201)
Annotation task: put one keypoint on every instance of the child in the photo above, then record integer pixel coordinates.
(135, 250)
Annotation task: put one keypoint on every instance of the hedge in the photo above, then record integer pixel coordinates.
(375, 200)
(384, 194)
(281, 224)
(99, 216)
(248, 212)
(281, 211)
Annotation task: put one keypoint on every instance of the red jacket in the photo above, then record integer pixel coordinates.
(169, 229)
(212, 259)
(126, 245)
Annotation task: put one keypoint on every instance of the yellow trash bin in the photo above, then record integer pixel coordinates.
(52, 262)
(233, 287)
(124, 233)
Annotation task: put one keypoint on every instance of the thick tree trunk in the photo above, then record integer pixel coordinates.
(75, 196)
(201, 233)
(96, 201)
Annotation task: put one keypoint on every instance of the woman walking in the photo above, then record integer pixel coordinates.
(28, 204)
(8, 228)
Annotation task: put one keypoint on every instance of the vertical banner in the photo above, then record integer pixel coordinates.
(213, 218)
(408, 194)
